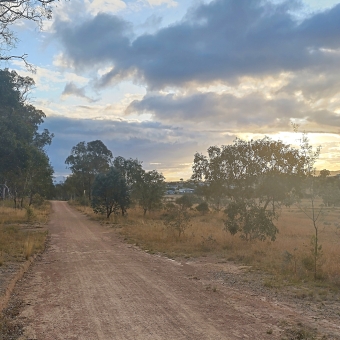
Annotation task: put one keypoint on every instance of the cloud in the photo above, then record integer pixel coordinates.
(169, 3)
(166, 148)
(219, 41)
(113, 6)
(253, 111)
(150, 142)
(46, 79)
(71, 89)
(95, 41)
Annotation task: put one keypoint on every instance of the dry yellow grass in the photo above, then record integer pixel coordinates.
(21, 232)
(289, 257)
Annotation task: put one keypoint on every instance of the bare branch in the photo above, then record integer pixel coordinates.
(12, 11)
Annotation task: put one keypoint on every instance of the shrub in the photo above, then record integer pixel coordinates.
(203, 208)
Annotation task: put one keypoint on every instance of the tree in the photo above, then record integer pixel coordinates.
(203, 208)
(312, 210)
(110, 193)
(328, 188)
(14, 11)
(146, 187)
(185, 201)
(254, 221)
(177, 218)
(69, 189)
(208, 169)
(330, 193)
(131, 170)
(149, 190)
(19, 120)
(256, 176)
(324, 173)
(22, 156)
(88, 160)
(39, 175)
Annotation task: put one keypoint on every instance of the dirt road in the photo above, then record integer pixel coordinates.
(91, 285)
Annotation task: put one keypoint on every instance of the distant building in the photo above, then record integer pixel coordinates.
(186, 191)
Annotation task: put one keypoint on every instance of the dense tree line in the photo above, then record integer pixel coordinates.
(24, 165)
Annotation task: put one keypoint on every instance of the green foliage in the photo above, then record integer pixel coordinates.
(185, 201)
(257, 177)
(29, 214)
(110, 193)
(131, 170)
(252, 221)
(177, 218)
(88, 160)
(19, 121)
(24, 165)
(37, 200)
(149, 190)
(71, 189)
(83, 200)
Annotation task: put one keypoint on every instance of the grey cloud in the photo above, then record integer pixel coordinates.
(221, 40)
(324, 118)
(71, 89)
(150, 142)
(95, 40)
(224, 110)
(314, 85)
(252, 112)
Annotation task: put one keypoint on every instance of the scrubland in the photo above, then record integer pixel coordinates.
(289, 257)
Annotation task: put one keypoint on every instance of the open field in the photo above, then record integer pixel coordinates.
(289, 258)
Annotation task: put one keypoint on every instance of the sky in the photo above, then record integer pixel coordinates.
(159, 80)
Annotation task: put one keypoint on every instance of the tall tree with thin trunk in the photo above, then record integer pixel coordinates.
(22, 154)
(88, 160)
(313, 210)
(149, 190)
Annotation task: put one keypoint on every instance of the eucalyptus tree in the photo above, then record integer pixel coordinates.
(22, 156)
(131, 169)
(110, 193)
(88, 160)
(149, 190)
(257, 176)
